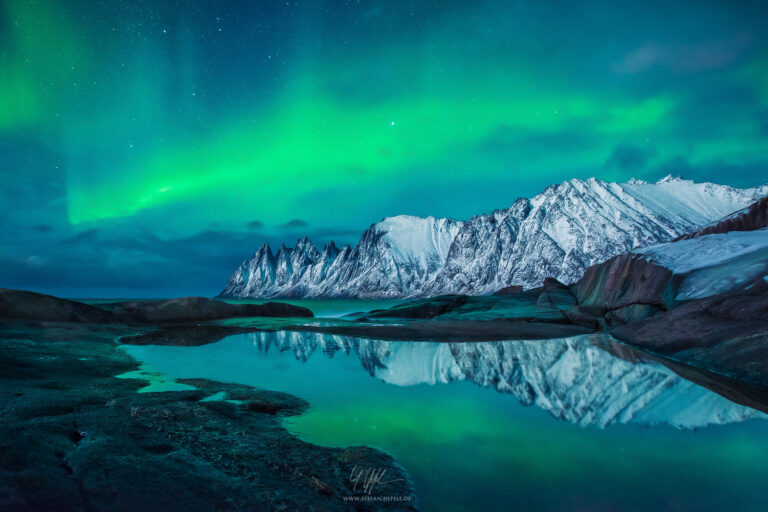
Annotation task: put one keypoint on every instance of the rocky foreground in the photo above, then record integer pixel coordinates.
(76, 438)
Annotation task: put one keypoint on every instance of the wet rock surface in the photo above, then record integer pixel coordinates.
(74, 437)
(726, 333)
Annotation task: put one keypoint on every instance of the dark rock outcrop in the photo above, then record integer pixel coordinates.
(726, 333)
(185, 335)
(753, 217)
(555, 294)
(627, 288)
(509, 290)
(200, 309)
(38, 307)
(425, 309)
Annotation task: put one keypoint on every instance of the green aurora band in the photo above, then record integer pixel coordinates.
(174, 118)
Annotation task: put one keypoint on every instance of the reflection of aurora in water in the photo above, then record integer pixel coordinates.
(468, 447)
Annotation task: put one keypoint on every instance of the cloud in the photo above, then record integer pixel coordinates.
(687, 58)
(43, 228)
(326, 233)
(628, 158)
(86, 235)
(34, 259)
(762, 122)
(120, 262)
(255, 224)
(294, 223)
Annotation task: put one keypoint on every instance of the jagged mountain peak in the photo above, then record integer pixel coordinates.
(669, 178)
(305, 245)
(558, 233)
(330, 247)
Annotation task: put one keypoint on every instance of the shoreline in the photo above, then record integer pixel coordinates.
(78, 437)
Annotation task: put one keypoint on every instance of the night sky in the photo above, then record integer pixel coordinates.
(146, 148)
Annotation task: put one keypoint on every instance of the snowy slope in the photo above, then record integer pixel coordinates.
(558, 233)
(713, 264)
(416, 239)
(688, 255)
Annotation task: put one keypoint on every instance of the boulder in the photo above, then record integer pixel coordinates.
(627, 280)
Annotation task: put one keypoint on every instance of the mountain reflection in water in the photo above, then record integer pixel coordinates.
(581, 380)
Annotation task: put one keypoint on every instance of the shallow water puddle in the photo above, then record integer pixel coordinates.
(601, 432)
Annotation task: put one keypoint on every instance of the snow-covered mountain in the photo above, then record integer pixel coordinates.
(576, 379)
(558, 233)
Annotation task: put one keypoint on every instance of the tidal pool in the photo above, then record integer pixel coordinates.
(558, 425)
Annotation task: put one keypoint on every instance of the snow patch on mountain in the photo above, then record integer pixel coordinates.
(418, 239)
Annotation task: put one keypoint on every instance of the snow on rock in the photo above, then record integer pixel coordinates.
(713, 264)
(558, 233)
(687, 255)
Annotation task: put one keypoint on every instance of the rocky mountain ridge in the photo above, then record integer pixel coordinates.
(558, 233)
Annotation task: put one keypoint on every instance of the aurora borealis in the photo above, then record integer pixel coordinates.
(147, 147)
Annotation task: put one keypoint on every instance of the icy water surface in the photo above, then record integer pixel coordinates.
(520, 425)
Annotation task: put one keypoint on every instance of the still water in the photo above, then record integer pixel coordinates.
(518, 425)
